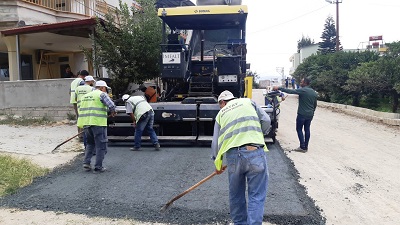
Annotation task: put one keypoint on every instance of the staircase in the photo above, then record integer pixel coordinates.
(201, 86)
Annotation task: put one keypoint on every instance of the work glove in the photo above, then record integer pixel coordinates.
(220, 171)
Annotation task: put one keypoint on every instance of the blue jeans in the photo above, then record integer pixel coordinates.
(96, 143)
(302, 121)
(250, 166)
(145, 123)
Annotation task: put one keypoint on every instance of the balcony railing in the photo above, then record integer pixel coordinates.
(83, 7)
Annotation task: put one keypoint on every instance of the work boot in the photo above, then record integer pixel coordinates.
(87, 167)
(300, 149)
(99, 170)
(157, 146)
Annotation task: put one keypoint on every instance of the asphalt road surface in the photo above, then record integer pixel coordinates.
(138, 184)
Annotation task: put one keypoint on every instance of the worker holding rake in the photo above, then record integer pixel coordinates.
(239, 134)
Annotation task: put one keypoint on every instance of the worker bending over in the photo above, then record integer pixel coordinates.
(239, 132)
(143, 118)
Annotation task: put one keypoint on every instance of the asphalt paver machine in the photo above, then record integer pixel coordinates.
(202, 54)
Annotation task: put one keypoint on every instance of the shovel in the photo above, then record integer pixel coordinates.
(166, 206)
(66, 141)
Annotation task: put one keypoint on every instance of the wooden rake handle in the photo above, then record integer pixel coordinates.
(66, 141)
(191, 189)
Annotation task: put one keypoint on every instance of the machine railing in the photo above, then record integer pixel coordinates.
(83, 7)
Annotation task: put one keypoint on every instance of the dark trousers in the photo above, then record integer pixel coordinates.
(303, 122)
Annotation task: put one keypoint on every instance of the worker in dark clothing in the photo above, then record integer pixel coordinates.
(305, 111)
(149, 92)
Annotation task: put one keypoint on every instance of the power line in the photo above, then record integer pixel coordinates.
(288, 20)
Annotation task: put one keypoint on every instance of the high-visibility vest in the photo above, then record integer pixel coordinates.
(81, 91)
(74, 85)
(92, 111)
(139, 106)
(240, 125)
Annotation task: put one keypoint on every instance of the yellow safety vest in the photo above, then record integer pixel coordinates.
(74, 85)
(81, 91)
(139, 106)
(92, 111)
(239, 125)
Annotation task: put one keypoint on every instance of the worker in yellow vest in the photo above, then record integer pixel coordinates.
(239, 132)
(142, 115)
(93, 118)
(74, 84)
(80, 91)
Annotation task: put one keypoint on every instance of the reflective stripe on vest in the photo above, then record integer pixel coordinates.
(135, 101)
(239, 130)
(92, 111)
(239, 125)
(73, 86)
(81, 91)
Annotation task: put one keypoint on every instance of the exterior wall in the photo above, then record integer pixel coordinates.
(36, 98)
(8, 14)
(18, 13)
(299, 58)
(295, 60)
(12, 11)
(308, 51)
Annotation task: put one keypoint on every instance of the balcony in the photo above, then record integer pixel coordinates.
(82, 7)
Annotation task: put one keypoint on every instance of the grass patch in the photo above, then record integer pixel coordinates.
(16, 173)
(25, 121)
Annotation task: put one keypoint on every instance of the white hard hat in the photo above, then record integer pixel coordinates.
(89, 78)
(101, 83)
(125, 97)
(225, 95)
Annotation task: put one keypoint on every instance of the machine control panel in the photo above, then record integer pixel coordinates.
(227, 78)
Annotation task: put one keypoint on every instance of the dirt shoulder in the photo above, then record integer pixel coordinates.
(352, 167)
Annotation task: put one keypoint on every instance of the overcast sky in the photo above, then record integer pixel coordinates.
(274, 27)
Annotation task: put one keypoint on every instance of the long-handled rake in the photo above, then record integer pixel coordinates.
(166, 206)
(66, 141)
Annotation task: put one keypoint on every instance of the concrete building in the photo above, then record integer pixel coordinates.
(298, 58)
(48, 34)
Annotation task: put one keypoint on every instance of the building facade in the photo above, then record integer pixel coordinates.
(48, 35)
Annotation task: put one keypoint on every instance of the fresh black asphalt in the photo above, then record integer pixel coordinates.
(138, 184)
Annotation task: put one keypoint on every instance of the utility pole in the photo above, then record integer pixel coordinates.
(337, 21)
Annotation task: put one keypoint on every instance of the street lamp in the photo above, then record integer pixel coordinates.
(337, 21)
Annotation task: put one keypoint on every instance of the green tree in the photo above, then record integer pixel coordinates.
(328, 43)
(378, 79)
(361, 81)
(329, 73)
(256, 78)
(304, 42)
(127, 43)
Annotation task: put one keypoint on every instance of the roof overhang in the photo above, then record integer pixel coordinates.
(205, 17)
(57, 37)
(79, 28)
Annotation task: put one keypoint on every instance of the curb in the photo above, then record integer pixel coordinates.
(392, 119)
